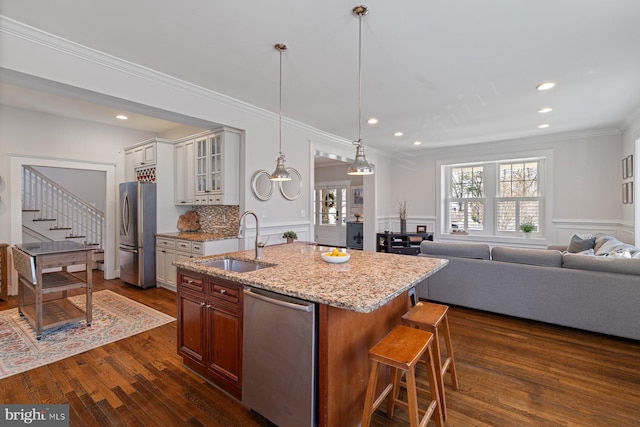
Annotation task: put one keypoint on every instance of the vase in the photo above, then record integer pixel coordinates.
(289, 240)
(403, 226)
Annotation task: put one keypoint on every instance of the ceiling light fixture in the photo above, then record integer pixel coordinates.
(545, 125)
(372, 121)
(398, 134)
(545, 110)
(417, 143)
(360, 166)
(121, 117)
(281, 173)
(545, 86)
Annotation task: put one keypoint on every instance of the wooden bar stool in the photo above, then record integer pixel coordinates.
(429, 316)
(401, 350)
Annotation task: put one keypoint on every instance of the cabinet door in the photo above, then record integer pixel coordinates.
(129, 166)
(191, 333)
(214, 146)
(161, 265)
(184, 173)
(149, 154)
(201, 163)
(225, 332)
(138, 156)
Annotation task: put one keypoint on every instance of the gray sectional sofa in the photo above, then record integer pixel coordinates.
(599, 293)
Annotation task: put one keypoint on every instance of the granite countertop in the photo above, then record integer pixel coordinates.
(196, 236)
(363, 284)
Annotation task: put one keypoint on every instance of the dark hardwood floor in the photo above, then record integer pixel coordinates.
(512, 372)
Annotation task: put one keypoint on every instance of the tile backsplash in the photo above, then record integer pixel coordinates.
(219, 219)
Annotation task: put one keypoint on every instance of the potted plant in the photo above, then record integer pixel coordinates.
(402, 211)
(290, 236)
(527, 227)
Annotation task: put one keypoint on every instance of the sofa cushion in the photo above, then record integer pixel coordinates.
(613, 246)
(604, 264)
(579, 244)
(601, 239)
(542, 257)
(460, 250)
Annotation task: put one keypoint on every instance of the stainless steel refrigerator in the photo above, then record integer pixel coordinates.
(137, 233)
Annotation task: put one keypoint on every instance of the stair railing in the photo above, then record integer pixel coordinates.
(53, 201)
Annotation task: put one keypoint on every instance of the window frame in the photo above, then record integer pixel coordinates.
(491, 182)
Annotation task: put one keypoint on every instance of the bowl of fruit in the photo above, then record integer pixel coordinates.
(335, 256)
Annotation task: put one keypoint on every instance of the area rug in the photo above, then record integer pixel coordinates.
(114, 317)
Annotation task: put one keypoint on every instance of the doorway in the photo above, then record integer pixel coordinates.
(330, 207)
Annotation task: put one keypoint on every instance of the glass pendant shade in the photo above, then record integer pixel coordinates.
(281, 173)
(360, 166)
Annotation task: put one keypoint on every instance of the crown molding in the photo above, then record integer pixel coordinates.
(67, 47)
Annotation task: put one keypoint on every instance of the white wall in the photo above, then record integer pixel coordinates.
(586, 180)
(631, 212)
(39, 55)
(88, 185)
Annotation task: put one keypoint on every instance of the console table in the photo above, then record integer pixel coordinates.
(29, 260)
(401, 243)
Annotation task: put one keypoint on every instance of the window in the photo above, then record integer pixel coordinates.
(466, 197)
(518, 200)
(494, 197)
(330, 206)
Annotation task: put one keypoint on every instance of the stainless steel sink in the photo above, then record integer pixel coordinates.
(235, 265)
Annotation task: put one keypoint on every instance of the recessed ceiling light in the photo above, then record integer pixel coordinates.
(121, 117)
(417, 142)
(546, 125)
(545, 110)
(398, 134)
(372, 121)
(545, 86)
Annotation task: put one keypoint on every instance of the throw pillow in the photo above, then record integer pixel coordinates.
(579, 244)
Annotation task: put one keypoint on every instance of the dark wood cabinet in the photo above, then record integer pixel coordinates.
(4, 272)
(210, 329)
(401, 243)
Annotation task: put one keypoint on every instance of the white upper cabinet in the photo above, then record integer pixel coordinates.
(217, 168)
(145, 155)
(184, 167)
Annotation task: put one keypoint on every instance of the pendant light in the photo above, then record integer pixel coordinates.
(360, 166)
(281, 173)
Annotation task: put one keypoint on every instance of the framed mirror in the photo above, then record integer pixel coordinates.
(291, 189)
(261, 185)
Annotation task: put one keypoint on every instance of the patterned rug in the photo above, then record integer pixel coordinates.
(114, 317)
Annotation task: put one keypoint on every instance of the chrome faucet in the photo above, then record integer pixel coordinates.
(259, 245)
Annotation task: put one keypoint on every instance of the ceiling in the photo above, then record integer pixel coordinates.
(442, 72)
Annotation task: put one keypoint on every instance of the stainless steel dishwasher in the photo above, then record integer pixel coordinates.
(279, 358)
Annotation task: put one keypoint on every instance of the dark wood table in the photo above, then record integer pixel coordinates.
(30, 259)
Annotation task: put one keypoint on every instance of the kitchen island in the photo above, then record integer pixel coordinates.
(359, 302)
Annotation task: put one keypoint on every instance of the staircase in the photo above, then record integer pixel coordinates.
(52, 213)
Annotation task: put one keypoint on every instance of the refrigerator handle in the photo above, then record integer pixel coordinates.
(125, 214)
(133, 251)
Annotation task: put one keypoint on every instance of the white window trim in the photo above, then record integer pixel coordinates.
(545, 181)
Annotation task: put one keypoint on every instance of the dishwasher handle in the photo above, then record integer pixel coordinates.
(300, 307)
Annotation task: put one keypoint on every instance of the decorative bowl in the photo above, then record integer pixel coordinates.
(335, 259)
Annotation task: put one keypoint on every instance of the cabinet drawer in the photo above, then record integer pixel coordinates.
(225, 292)
(215, 199)
(163, 242)
(183, 246)
(193, 282)
(197, 248)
